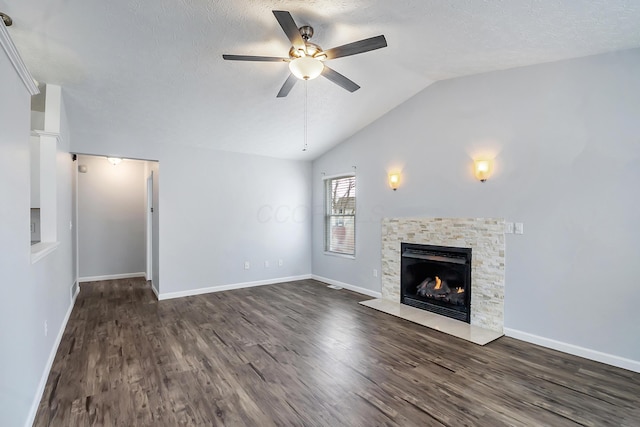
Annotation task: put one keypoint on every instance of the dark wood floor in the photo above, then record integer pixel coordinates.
(302, 354)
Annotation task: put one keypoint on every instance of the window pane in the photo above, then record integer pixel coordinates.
(342, 196)
(342, 234)
(340, 215)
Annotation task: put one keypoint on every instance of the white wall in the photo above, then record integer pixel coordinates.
(111, 217)
(30, 294)
(37, 119)
(565, 137)
(216, 210)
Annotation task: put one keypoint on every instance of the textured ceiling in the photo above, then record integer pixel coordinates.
(152, 70)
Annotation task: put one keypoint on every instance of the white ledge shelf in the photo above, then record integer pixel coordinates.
(41, 250)
(463, 330)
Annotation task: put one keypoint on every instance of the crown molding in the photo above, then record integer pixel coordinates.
(16, 60)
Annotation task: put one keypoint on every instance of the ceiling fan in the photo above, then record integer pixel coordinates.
(306, 59)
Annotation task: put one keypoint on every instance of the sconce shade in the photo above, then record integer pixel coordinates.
(394, 180)
(482, 169)
(114, 160)
(306, 68)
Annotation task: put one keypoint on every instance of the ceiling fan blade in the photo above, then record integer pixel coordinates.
(290, 28)
(287, 86)
(254, 58)
(339, 79)
(354, 48)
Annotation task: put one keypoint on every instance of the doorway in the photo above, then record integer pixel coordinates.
(117, 215)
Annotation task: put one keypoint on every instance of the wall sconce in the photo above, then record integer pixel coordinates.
(114, 160)
(394, 180)
(482, 169)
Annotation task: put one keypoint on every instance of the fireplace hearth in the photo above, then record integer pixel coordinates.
(437, 279)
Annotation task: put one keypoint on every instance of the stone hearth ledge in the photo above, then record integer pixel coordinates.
(465, 331)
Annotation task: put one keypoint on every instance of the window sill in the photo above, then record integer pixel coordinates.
(41, 250)
(340, 255)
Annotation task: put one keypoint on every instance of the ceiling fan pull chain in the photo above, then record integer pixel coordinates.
(306, 97)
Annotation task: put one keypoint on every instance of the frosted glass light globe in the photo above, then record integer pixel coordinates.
(306, 68)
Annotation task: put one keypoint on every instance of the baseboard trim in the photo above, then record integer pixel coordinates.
(47, 369)
(111, 277)
(353, 288)
(200, 291)
(609, 359)
(76, 284)
(153, 288)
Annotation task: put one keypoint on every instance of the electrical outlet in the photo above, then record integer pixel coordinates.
(508, 228)
(375, 273)
(280, 263)
(519, 228)
(266, 264)
(247, 265)
(46, 328)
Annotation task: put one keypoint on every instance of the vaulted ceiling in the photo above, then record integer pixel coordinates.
(152, 70)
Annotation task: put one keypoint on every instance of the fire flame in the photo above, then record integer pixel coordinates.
(460, 290)
(438, 283)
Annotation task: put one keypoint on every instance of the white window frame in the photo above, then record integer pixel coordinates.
(327, 215)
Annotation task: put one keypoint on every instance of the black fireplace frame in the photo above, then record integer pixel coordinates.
(442, 255)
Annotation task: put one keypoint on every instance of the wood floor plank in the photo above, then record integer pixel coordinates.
(301, 354)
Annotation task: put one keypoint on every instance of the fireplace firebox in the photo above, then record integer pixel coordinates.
(437, 279)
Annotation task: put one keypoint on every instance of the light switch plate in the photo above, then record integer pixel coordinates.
(519, 228)
(508, 227)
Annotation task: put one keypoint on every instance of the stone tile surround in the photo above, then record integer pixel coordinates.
(485, 237)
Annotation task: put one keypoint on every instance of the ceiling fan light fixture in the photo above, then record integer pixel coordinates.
(306, 68)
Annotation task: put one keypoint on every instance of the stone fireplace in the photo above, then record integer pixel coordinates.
(484, 236)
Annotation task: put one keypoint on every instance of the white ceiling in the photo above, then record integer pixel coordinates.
(152, 70)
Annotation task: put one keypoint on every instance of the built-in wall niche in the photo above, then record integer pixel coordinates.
(45, 137)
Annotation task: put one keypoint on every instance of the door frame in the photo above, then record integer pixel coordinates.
(149, 272)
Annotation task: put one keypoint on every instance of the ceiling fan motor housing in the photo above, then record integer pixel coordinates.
(306, 32)
(311, 49)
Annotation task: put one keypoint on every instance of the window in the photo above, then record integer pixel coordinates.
(340, 215)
